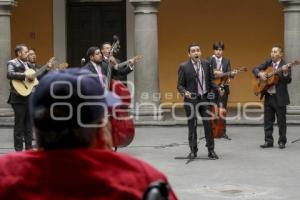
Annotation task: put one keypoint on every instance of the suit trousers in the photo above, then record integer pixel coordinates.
(192, 109)
(272, 109)
(22, 127)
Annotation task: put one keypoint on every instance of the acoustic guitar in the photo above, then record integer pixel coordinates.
(25, 87)
(225, 77)
(261, 86)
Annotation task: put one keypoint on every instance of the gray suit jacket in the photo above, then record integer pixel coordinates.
(15, 71)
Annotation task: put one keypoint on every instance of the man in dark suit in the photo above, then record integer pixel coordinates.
(107, 57)
(220, 66)
(276, 97)
(32, 59)
(195, 81)
(15, 71)
(97, 66)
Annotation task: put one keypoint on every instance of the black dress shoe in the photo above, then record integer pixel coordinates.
(267, 145)
(192, 155)
(225, 136)
(281, 145)
(212, 155)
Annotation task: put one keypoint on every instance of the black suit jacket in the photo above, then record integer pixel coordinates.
(121, 73)
(15, 71)
(226, 67)
(187, 78)
(282, 94)
(89, 66)
(104, 69)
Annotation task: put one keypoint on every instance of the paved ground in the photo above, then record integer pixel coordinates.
(243, 172)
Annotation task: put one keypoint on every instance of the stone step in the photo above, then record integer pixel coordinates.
(9, 122)
(6, 112)
(6, 121)
(251, 119)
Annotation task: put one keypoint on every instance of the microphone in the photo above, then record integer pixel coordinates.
(82, 62)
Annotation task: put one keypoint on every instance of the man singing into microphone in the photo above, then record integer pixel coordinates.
(195, 82)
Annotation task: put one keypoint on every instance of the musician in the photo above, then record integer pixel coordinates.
(74, 158)
(96, 64)
(107, 57)
(195, 81)
(32, 59)
(22, 126)
(16, 71)
(106, 52)
(276, 97)
(221, 65)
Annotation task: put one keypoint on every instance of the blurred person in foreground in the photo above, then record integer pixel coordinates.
(74, 159)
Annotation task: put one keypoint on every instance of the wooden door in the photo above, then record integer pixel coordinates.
(91, 24)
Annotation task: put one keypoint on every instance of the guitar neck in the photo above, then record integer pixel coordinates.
(278, 70)
(40, 70)
(226, 74)
(229, 73)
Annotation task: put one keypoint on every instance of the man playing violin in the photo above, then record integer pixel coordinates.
(276, 97)
(220, 66)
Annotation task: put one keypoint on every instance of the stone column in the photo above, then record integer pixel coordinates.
(292, 51)
(146, 81)
(59, 30)
(5, 52)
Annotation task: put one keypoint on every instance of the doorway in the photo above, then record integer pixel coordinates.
(91, 24)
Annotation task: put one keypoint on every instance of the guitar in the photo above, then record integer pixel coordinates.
(25, 87)
(261, 86)
(225, 77)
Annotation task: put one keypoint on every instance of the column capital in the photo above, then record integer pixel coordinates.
(8, 3)
(5, 7)
(290, 5)
(145, 6)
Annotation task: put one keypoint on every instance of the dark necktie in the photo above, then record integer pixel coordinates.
(200, 78)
